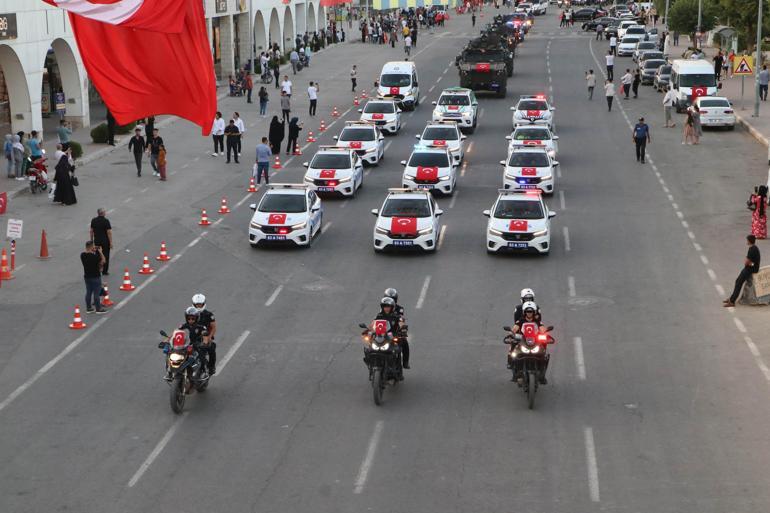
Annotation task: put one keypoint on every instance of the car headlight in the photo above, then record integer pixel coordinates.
(410, 177)
(495, 232)
(255, 225)
(381, 231)
(343, 180)
(547, 177)
(371, 150)
(510, 176)
(466, 114)
(541, 233)
(445, 178)
(299, 226)
(437, 113)
(425, 231)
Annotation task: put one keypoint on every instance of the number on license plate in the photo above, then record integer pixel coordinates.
(326, 189)
(403, 242)
(276, 237)
(424, 186)
(520, 245)
(527, 186)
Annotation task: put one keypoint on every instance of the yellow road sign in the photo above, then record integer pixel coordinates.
(743, 65)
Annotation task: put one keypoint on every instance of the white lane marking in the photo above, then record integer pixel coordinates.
(156, 451)
(593, 468)
(274, 295)
(196, 159)
(439, 79)
(670, 197)
(465, 168)
(444, 72)
(579, 359)
(19, 267)
(562, 203)
(571, 286)
(144, 190)
(720, 289)
(195, 241)
(712, 274)
(454, 199)
(215, 223)
(558, 171)
(431, 88)
(752, 346)
(567, 246)
(685, 224)
(366, 173)
(172, 172)
(666, 189)
(481, 112)
(344, 204)
(185, 166)
(697, 246)
(739, 324)
(127, 200)
(233, 349)
(387, 145)
(441, 236)
(423, 292)
(704, 260)
(366, 465)
(691, 235)
(679, 214)
(326, 227)
(243, 199)
(470, 148)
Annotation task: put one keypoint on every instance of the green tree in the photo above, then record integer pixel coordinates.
(742, 16)
(684, 16)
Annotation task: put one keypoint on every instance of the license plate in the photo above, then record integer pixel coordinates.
(424, 186)
(275, 237)
(518, 245)
(325, 189)
(527, 186)
(403, 243)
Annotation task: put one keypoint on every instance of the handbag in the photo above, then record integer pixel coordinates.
(75, 181)
(750, 204)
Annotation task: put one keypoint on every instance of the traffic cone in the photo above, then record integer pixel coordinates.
(335, 113)
(163, 257)
(310, 137)
(146, 269)
(356, 102)
(297, 150)
(322, 128)
(277, 163)
(223, 209)
(5, 270)
(127, 286)
(252, 185)
(363, 95)
(204, 218)
(43, 247)
(77, 322)
(106, 301)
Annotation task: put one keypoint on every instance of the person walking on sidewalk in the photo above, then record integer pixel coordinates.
(241, 128)
(218, 134)
(10, 163)
(294, 60)
(613, 45)
(473, 19)
(248, 84)
(750, 266)
(764, 80)
(610, 61)
(262, 166)
(285, 106)
(138, 146)
(233, 135)
(591, 83)
(758, 206)
(641, 137)
(718, 59)
(92, 259)
(65, 133)
(101, 235)
(277, 72)
(687, 134)
(609, 93)
(154, 148)
(263, 99)
(636, 82)
(353, 78)
(276, 134)
(286, 85)
(312, 94)
(599, 31)
(626, 81)
(294, 128)
(407, 45)
(668, 107)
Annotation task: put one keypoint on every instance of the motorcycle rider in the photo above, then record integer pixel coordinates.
(196, 331)
(530, 315)
(388, 312)
(207, 320)
(393, 293)
(526, 295)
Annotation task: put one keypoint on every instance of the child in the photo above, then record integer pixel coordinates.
(162, 163)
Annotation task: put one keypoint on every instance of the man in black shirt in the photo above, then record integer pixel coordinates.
(138, 146)
(233, 136)
(92, 260)
(154, 148)
(750, 266)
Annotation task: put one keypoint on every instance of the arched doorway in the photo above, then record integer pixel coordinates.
(260, 35)
(61, 76)
(275, 29)
(311, 23)
(288, 30)
(15, 101)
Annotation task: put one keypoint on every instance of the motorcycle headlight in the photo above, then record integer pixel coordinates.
(524, 349)
(535, 349)
(176, 358)
(383, 347)
(299, 226)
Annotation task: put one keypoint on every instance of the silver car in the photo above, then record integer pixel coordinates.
(649, 68)
(662, 77)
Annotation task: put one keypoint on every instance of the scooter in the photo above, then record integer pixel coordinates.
(37, 173)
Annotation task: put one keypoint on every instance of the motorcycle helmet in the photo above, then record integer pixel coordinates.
(527, 295)
(387, 301)
(529, 306)
(392, 293)
(199, 299)
(191, 313)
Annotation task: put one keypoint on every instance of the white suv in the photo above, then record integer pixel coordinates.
(365, 139)
(430, 169)
(444, 134)
(457, 104)
(288, 214)
(529, 168)
(519, 221)
(335, 170)
(384, 114)
(407, 219)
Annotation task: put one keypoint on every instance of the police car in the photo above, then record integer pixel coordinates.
(529, 168)
(364, 138)
(457, 104)
(287, 213)
(534, 135)
(383, 113)
(533, 109)
(444, 134)
(430, 168)
(519, 221)
(408, 219)
(335, 170)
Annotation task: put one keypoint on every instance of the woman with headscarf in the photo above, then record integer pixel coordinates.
(294, 129)
(759, 215)
(276, 134)
(18, 156)
(65, 191)
(8, 152)
(697, 130)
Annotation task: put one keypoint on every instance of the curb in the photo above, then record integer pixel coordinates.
(753, 131)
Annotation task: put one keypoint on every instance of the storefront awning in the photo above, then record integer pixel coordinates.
(332, 3)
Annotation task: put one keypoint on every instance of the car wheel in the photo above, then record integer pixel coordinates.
(731, 127)
(253, 245)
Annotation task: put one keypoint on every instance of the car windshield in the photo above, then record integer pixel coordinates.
(475, 55)
(516, 209)
(357, 134)
(630, 40)
(697, 80)
(714, 103)
(454, 99)
(653, 55)
(330, 161)
(636, 31)
(519, 159)
(646, 45)
(653, 64)
(284, 203)
(395, 80)
(664, 70)
(530, 134)
(379, 108)
(429, 159)
(406, 207)
(444, 133)
(532, 105)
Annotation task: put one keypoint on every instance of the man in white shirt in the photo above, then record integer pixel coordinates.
(312, 94)
(668, 106)
(613, 45)
(610, 59)
(286, 85)
(626, 80)
(241, 129)
(408, 45)
(218, 134)
(591, 83)
(263, 64)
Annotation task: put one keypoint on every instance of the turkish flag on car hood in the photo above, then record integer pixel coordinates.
(517, 225)
(403, 226)
(328, 173)
(276, 219)
(147, 57)
(529, 171)
(378, 116)
(356, 145)
(534, 113)
(427, 173)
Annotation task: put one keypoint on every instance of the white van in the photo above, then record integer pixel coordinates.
(398, 80)
(687, 75)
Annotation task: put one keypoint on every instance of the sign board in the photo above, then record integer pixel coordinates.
(743, 65)
(221, 5)
(14, 229)
(761, 281)
(8, 26)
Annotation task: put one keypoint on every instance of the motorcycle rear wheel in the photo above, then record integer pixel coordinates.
(377, 386)
(177, 394)
(531, 389)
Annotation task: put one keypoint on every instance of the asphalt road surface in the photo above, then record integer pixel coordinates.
(657, 400)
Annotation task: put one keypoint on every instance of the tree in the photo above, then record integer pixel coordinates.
(683, 16)
(742, 15)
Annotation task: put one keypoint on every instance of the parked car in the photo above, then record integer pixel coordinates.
(662, 77)
(716, 111)
(649, 68)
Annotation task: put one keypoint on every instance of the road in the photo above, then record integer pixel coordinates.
(657, 395)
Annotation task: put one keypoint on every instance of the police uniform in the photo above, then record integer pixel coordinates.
(205, 318)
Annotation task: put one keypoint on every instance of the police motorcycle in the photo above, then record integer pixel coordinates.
(529, 357)
(382, 355)
(186, 368)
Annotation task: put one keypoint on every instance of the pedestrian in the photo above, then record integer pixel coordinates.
(101, 235)
(65, 133)
(731, 61)
(263, 99)
(10, 166)
(218, 134)
(65, 189)
(110, 129)
(407, 45)
(294, 60)
(153, 147)
(262, 165)
(718, 59)
(687, 135)
(750, 266)
(233, 134)
(277, 71)
(697, 129)
(286, 85)
(249, 86)
(758, 206)
(668, 106)
(613, 45)
(636, 82)
(764, 79)
(137, 144)
(276, 134)
(308, 55)
(625, 82)
(34, 145)
(676, 38)
(92, 259)
(641, 137)
(610, 61)
(294, 128)
(473, 19)
(285, 106)
(353, 77)
(18, 157)
(609, 93)
(312, 94)
(162, 163)
(591, 83)
(241, 128)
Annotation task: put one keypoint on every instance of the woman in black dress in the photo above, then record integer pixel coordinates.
(276, 135)
(294, 129)
(65, 191)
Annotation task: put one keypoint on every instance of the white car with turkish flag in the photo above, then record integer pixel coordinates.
(529, 168)
(408, 219)
(384, 114)
(519, 221)
(532, 136)
(444, 134)
(533, 109)
(430, 169)
(457, 104)
(363, 138)
(335, 170)
(286, 214)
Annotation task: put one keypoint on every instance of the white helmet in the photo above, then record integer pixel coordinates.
(199, 299)
(527, 295)
(529, 305)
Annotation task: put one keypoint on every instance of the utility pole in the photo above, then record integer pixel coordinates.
(667, 2)
(252, 67)
(700, 21)
(758, 60)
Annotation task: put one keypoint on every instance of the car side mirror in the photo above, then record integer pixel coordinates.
(363, 326)
(253, 206)
(463, 137)
(417, 136)
(375, 212)
(439, 212)
(507, 137)
(513, 108)
(487, 213)
(553, 109)
(551, 214)
(403, 162)
(555, 163)
(555, 137)
(305, 164)
(434, 103)
(360, 110)
(502, 162)
(335, 138)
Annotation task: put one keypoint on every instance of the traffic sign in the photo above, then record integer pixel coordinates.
(15, 227)
(743, 65)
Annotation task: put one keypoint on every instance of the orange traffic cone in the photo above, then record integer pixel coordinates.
(77, 322)
(127, 286)
(223, 208)
(146, 269)
(277, 163)
(106, 301)
(163, 257)
(252, 185)
(322, 128)
(297, 150)
(204, 218)
(310, 137)
(5, 270)
(363, 95)
(43, 247)
(335, 113)
(356, 102)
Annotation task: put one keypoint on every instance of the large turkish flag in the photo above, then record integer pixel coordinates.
(403, 226)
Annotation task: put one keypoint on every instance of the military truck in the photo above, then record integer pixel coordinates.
(482, 65)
